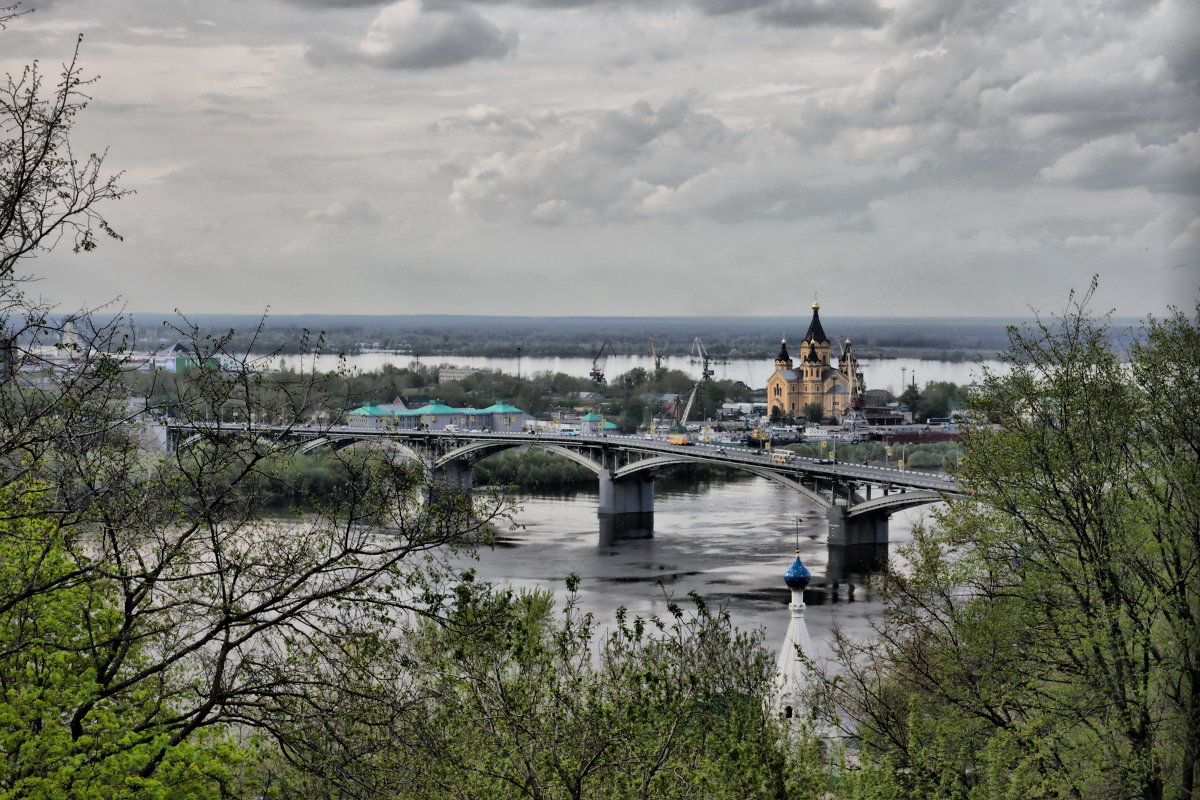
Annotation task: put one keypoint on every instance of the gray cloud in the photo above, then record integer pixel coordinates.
(718, 7)
(412, 36)
(353, 211)
(489, 119)
(617, 166)
(532, 3)
(783, 13)
(920, 19)
(1121, 161)
(1003, 147)
(835, 13)
(924, 17)
(1177, 23)
(321, 4)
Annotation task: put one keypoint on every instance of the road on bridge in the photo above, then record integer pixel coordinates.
(698, 451)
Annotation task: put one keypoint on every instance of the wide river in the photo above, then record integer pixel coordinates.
(730, 541)
(883, 373)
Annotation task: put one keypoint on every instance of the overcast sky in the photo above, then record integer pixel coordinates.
(635, 157)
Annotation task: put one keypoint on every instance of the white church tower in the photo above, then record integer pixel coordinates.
(797, 651)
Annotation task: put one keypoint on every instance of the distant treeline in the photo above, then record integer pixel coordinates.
(447, 335)
(429, 336)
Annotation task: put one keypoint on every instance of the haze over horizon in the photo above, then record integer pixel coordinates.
(659, 158)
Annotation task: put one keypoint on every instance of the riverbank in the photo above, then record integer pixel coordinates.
(934, 456)
(537, 469)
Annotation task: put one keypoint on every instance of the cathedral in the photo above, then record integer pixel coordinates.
(793, 387)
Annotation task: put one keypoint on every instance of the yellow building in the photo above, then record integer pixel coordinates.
(791, 388)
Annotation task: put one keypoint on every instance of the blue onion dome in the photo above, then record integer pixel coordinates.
(797, 575)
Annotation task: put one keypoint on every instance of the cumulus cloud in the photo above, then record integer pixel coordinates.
(410, 35)
(352, 211)
(674, 161)
(836, 13)
(923, 17)
(336, 3)
(610, 168)
(489, 119)
(1121, 161)
(718, 7)
(1006, 134)
(784, 13)
(534, 3)
(1175, 23)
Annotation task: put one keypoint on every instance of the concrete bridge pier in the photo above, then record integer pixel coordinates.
(626, 507)
(455, 475)
(857, 544)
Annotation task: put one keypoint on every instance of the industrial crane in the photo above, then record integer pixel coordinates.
(601, 358)
(706, 373)
(687, 409)
(657, 356)
(699, 353)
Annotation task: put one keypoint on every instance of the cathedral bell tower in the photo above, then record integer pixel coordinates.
(816, 343)
(783, 361)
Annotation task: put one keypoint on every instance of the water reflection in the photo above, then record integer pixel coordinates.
(730, 541)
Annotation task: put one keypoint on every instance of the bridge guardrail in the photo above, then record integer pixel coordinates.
(692, 452)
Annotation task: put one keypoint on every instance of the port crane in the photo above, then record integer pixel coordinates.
(599, 361)
(657, 356)
(687, 409)
(706, 373)
(701, 355)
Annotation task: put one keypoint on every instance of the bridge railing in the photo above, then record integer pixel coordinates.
(696, 452)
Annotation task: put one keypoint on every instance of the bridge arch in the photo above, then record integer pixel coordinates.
(656, 464)
(895, 502)
(335, 443)
(189, 442)
(480, 450)
(793, 484)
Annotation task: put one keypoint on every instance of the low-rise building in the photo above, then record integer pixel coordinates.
(438, 416)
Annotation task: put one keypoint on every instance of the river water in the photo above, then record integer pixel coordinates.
(730, 541)
(883, 373)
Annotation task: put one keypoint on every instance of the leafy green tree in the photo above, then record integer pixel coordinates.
(935, 399)
(45, 190)
(52, 617)
(511, 701)
(149, 607)
(1044, 643)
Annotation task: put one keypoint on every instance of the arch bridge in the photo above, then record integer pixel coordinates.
(857, 499)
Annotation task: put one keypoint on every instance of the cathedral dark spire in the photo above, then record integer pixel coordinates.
(783, 353)
(816, 334)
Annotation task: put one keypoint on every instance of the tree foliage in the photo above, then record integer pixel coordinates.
(46, 189)
(1045, 642)
(511, 700)
(152, 615)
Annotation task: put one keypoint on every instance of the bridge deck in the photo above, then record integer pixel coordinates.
(697, 452)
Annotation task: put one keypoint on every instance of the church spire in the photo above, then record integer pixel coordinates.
(816, 334)
(783, 360)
